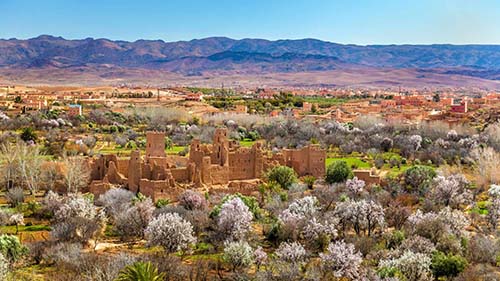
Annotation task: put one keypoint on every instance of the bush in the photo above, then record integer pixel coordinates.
(447, 265)
(282, 175)
(238, 254)
(309, 181)
(338, 171)
(11, 248)
(162, 203)
(140, 271)
(418, 178)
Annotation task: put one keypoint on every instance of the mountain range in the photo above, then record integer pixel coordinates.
(49, 59)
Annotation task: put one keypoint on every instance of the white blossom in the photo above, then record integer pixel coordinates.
(292, 252)
(413, 266)
(362, 215)
(416, 141)
(454, 220)
(171, 232)
(192, 200)
(451, 190)
(260, 256)
(314, 229)
(234, 219)
(494, 190)
(17, 219)
(299, 209)
(355, 186)
(343, 259)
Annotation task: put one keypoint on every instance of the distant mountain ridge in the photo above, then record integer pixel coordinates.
(221, 55)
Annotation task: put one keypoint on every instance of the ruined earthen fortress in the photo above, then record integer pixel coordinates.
(223, 162)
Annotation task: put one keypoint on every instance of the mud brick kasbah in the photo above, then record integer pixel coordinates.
(220, 164)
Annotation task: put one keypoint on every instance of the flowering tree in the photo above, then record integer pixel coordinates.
(171, 232)
(318, 234)
(77, 219)
(413, 266)
(234, 219)
(363, 215)
(451, 190)
(17, 220)
(238, 254)
(355, 186)
(133, 221)
(342, 260)
(76, 173)
(292, 252)
(299, 209)
(417, 244)
(116, 200)
(192, 200)
(455, 221)
(52, 202)
(433, 225)
(416, 142)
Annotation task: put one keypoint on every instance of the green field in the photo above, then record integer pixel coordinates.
(246, 143)
(353, 162)
(175, 149)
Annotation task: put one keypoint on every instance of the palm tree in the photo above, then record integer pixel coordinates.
(140, 271)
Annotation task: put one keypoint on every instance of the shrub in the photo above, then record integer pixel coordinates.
(11, 248)
(140, 271)
(418, 178)
(309, 181)
(282, 175)
(338, 171)
(447, 265)
(162, 203)
(238, 254)
(260, 257)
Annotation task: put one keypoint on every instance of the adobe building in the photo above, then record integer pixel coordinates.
(223, 162)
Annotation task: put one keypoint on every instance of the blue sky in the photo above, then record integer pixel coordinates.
(343, 21)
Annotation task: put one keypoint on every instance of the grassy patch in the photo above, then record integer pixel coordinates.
(11, 229)
(246, 143)
(353, 162)
(175, 149)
